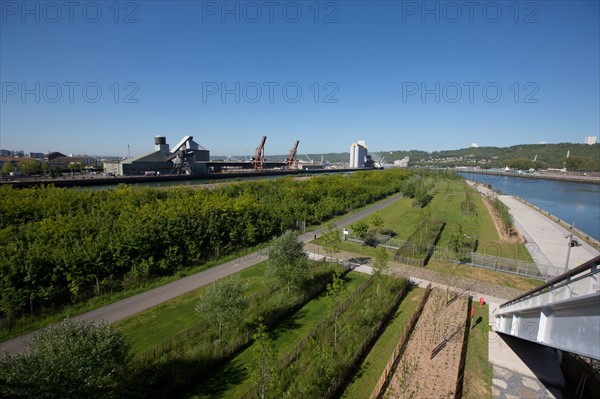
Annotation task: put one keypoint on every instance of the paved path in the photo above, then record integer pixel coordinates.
(522, 369)
(546, 238)
(146, 300)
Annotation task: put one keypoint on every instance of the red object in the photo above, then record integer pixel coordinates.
(472, 312)
(292, 162)
(258, 162)
(481, 301)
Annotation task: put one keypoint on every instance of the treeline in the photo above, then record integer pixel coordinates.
(60, 246)
(503, 213)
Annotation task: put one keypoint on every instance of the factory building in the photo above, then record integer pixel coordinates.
(187, 157)
(359, 155)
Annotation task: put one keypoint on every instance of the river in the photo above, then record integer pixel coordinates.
(577, 203)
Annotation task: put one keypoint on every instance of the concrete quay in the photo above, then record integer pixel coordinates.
(546, 239)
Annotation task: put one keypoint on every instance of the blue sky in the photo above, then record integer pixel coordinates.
(400, 75)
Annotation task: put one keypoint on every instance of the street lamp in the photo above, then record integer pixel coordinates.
(570, 243)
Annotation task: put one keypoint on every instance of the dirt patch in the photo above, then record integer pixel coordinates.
(518, 238)
(428, 370)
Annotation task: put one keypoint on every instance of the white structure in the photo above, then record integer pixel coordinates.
(590, 140)
(359, 155)
(564, 313)
(474, 145)
(401, 163)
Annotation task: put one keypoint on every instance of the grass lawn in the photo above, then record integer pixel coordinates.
(369, 372)
(231, 380)
(403, 218)
(32, 323)
(478, 371)
(155, 325)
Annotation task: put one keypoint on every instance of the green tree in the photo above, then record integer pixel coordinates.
(288, 263)
(224, 301)
(360, 228)
(334, 298)
(263, 365)
(72, 360)
(376, 220)
(458, 240)
(380, 264)
(30, 166)
(580, 163)
(7, 168)
(331, 239)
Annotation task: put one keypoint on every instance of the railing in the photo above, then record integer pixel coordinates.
(560, 281)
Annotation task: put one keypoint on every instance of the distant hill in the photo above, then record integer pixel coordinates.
(581, 156)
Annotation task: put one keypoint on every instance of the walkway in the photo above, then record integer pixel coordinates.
(146, 300)
(546, 239)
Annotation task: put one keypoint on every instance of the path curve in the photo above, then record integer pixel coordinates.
(148, 299)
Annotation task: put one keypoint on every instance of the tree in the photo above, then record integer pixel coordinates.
(224, 301)
(263, 367)
(288, 262)
(380, 265)
(30, 166)
(331, 239)
(334, 298)
(376, 220)
(458, 240)
(7, 168)
(71, 360)
(360, 228)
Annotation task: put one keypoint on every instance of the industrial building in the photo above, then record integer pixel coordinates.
(359, 155)
(187, 157)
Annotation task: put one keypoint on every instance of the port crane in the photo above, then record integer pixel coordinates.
(292, 161)
(258, 162)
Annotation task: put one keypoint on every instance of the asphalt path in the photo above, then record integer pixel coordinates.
(146, 300)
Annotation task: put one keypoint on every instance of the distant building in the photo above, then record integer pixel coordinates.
(187, 157)
(37, 155)
(590, 140)
(401, 163)
(474, 145)
(359, 155)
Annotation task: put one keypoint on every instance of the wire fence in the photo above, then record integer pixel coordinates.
(519, 267)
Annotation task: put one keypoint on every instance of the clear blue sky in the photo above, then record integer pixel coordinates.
(375, 58)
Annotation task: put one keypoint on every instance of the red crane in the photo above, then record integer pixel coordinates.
(258, 162)
(292, 162)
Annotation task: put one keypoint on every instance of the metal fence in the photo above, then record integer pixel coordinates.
(537, 271)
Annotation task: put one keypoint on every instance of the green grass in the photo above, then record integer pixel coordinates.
(231, 380)
(30, 323)
(367, 376)
(149, 328)
(403, 219)
(50, 316)
(478, 371)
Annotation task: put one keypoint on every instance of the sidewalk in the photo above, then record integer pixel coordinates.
(522, 369)
(546, 240)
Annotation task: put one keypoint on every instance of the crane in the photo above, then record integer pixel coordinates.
(292, 161)
(258, 162)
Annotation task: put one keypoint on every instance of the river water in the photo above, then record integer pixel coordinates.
(577, 203)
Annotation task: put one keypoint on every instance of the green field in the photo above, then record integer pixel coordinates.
(231, 380)
(155, 325)
(403, 218)
(478, 371)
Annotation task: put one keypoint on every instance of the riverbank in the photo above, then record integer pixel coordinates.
(545, 237)
(578, 177)
(98, 180)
